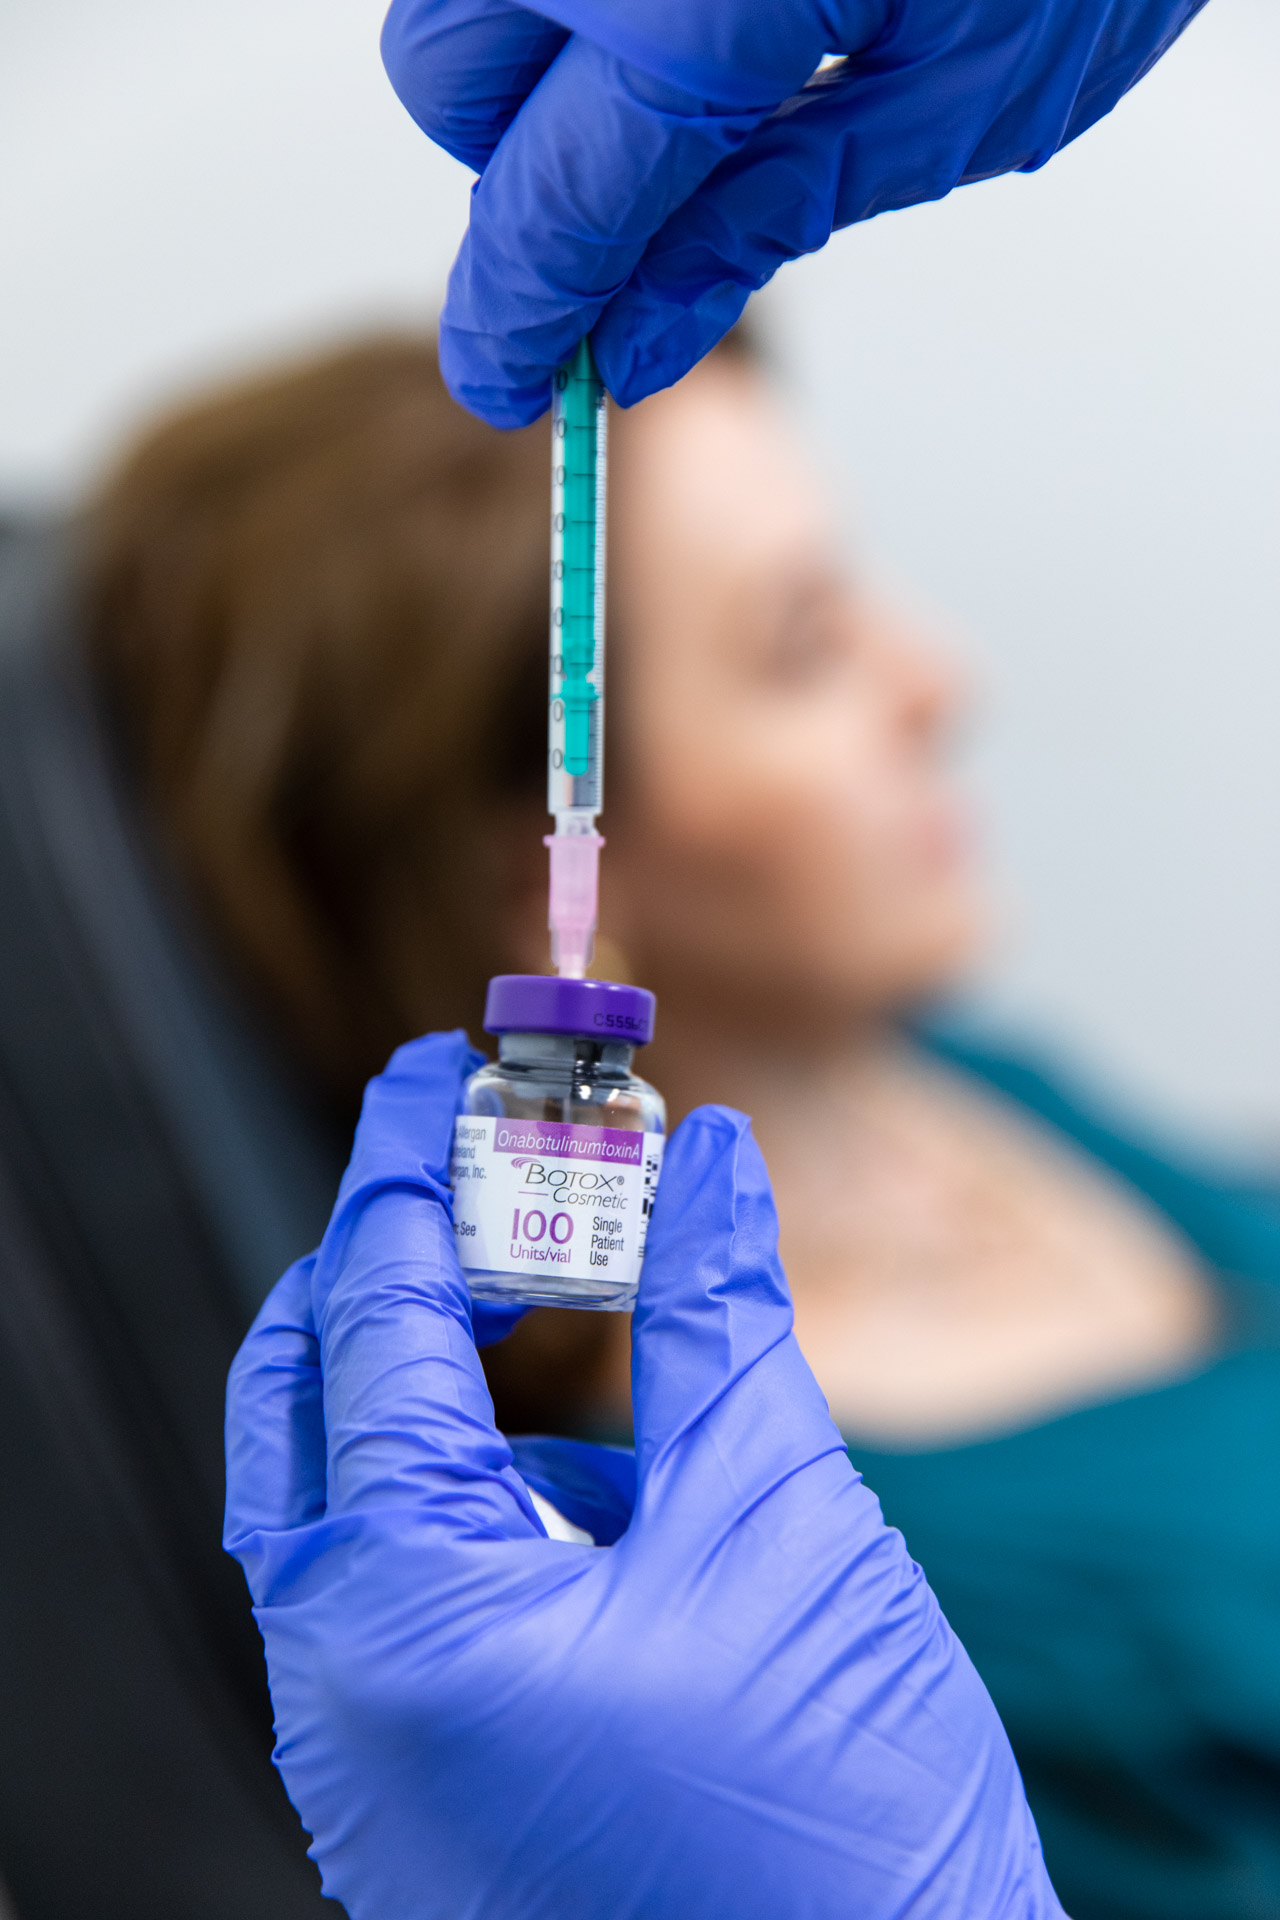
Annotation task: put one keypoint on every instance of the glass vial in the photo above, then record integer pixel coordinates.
(558, 1146)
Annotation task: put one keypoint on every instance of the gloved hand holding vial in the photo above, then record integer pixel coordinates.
(742, 1701)
(558, 1146)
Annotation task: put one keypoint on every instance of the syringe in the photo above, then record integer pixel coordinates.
(575, 748)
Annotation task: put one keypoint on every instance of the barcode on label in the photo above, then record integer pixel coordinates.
(652, 1168)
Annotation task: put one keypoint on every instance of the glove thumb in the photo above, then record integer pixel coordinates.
(726, 1409)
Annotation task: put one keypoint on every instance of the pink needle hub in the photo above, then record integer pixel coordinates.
(574, 898)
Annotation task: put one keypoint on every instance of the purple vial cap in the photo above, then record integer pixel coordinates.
(590, 1009)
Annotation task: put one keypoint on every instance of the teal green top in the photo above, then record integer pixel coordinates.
(1115, 1576)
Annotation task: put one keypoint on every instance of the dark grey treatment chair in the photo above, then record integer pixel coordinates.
(158, 1169)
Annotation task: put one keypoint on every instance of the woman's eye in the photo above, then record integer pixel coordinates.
(807, 643)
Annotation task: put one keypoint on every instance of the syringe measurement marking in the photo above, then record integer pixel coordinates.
(576, 568)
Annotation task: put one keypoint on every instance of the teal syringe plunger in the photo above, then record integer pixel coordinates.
(575, 746)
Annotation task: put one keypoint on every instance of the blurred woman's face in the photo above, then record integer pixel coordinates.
(782, 834)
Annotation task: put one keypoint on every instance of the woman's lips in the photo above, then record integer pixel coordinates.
(944, 833)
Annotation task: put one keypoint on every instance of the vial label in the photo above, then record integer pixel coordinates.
(549, 1198)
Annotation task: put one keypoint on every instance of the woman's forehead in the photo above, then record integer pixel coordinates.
(714, 468)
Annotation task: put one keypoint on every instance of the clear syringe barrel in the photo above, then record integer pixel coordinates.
(575, 747)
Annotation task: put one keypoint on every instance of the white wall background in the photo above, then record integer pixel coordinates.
(1052, 404)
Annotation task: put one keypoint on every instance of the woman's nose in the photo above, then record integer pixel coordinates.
(929, 686)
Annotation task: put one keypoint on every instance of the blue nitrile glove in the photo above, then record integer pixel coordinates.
(749, 1706)
(646, 167)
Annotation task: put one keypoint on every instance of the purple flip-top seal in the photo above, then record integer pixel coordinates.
(591, 1009)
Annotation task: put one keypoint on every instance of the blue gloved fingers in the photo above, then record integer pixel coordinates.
(491, 1323)
(464, 67)
(882, 132)
(665, 246)
(559, 218)
(724, 1400)
(812, 167)
(737, 56)
(1132, 39)
(275, 1424)
(592, 1486)
(767, 1540)
(405, 1131)
(409, 1110)
(775, 198)
(408, 1418)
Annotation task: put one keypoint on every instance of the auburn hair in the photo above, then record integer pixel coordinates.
(317, 608)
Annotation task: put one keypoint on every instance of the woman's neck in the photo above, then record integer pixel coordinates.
(772, 1072)
(955, 1268)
